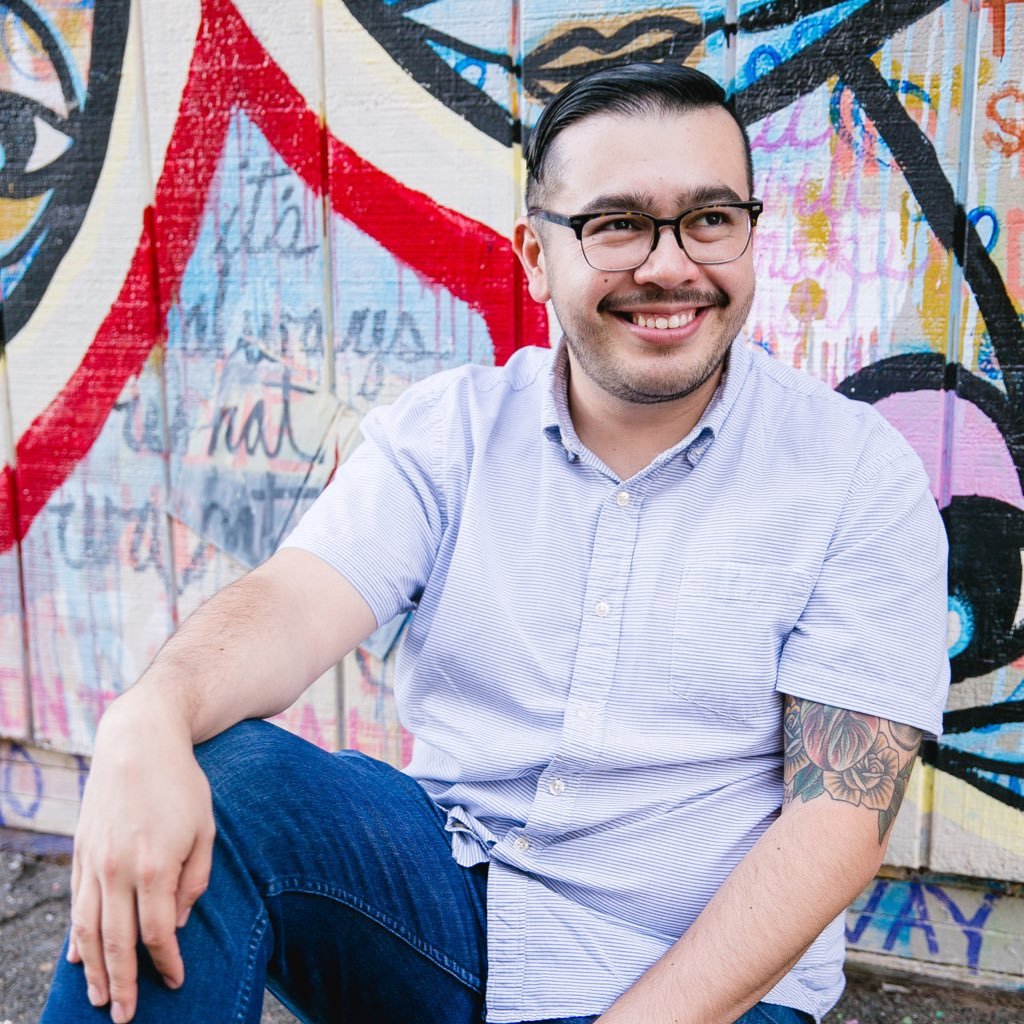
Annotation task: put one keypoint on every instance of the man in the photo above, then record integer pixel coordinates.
(663, 586)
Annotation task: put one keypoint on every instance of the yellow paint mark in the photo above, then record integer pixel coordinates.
(922, 787)
(991, 820)
(905, 221)
(611, 26)
(817, 228)
(17, 214)
(934, 308)
(956, 89)
(807, 301)
(984, 71)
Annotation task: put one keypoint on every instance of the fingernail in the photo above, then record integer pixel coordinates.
(170, 982)
(183, 918)
(117, 1014)
(94, 996)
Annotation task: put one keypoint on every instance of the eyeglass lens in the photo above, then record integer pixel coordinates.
(621, 241)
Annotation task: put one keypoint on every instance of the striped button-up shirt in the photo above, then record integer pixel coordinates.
(594, 670)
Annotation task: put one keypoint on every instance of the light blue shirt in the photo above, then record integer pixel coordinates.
(594, 670)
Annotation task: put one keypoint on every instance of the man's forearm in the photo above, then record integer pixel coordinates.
(253, 648)
(800, 875)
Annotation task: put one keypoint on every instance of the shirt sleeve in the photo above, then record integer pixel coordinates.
(872, 637)
(380, 520)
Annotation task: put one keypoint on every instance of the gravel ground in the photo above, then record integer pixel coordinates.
(34, 917)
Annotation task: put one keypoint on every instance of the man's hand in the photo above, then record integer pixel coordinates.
(142, 852)
(145, 837)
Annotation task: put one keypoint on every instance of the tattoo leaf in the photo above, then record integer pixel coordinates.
(807, 783)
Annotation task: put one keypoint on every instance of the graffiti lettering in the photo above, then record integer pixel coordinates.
(26, 783)
(894, 910)
(403, 344)
(1011, 125)
(89, 534)
(263, 428)
(249, 523)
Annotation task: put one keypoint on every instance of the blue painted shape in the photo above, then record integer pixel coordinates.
(985, 213)
(11, 275)
(867, 912)
(788, 40)
(488, 76)
(912, 914)
(12, 799)
(961, 608)
(972, 927)
(1001, 742)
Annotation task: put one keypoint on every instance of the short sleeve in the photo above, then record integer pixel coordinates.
(872, 637)
(380, 520)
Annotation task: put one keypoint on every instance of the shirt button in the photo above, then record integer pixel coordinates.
(601, 609)
(622, 499)
(556, 787)
(583, 713)
(522, 844)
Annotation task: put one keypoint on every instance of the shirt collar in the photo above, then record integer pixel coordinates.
(557, 423)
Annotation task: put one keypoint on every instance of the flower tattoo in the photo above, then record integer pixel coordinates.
(855, 758)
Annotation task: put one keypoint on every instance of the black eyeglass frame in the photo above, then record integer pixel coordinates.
(579, 221)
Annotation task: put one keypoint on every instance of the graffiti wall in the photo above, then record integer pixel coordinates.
(227, 229)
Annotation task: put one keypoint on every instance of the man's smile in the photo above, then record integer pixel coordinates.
(663, 321)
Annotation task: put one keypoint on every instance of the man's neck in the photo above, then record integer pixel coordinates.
(627, 436)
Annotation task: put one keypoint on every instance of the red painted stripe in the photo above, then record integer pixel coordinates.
(230, 69)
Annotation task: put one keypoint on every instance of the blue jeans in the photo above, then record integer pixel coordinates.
(333, 885)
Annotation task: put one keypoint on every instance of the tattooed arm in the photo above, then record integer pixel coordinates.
(846, 756)
(845, 774)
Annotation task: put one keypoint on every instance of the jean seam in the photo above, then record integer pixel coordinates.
(396, 928)
(246, 989)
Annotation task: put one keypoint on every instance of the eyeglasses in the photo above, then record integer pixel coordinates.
(623, 240)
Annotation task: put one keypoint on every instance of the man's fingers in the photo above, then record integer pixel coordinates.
(118, 925)
(85, 935)
(157, 918)
(73, 955)
(195, 875)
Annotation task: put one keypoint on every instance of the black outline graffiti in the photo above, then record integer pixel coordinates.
(994, 526)
(73, 175)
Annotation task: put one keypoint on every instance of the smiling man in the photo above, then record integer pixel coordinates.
(679, 627)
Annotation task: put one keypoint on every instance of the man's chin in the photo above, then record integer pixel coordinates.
(652, 390)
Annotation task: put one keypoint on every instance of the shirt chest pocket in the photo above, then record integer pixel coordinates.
(731, 622)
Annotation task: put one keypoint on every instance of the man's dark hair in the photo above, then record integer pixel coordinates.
(624, 89)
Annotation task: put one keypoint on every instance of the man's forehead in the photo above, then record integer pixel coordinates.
(602, 160)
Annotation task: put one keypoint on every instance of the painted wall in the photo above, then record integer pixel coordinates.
(228, 229)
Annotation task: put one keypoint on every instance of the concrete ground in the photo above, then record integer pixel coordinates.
(34, 884)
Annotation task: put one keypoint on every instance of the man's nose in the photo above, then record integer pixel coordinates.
(668, 261)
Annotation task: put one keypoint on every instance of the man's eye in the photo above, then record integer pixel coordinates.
(711, 219)
(606, 225)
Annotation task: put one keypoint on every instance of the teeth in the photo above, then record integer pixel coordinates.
(662, 323)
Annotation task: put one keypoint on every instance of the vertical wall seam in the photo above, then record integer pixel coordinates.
(159, 323)
(732, 44)
(10, 457)
(329, 381)
(517, 102)
(956, 303)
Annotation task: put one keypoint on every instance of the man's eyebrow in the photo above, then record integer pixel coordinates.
(618, 201)
(644, 202)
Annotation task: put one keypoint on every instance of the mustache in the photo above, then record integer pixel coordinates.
(657, 296)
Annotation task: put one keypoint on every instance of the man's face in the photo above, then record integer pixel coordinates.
(659, 164)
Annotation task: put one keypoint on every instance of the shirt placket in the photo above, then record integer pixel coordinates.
(579, 747)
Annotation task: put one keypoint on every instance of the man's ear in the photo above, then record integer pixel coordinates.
(530, 250)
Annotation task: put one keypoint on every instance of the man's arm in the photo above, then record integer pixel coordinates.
(144, 839)
(845, 776)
